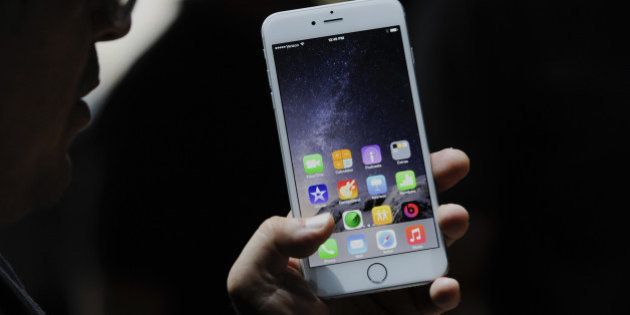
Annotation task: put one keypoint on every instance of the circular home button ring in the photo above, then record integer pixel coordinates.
(377, 273)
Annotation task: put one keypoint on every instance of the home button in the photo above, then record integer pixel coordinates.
(377, 273)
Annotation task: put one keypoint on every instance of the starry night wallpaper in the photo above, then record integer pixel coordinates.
(346, 92)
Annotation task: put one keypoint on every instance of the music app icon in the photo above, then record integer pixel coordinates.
(415, 234)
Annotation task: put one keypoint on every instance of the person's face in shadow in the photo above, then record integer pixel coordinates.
(47, 64)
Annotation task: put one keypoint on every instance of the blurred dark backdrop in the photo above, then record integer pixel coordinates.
(535, 92)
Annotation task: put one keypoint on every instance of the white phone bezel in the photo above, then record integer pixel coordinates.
(350, 278)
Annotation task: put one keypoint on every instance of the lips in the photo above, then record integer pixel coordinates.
(80, 115)
(88, 86)
(89, 80)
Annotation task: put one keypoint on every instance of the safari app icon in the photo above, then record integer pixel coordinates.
(386, 239)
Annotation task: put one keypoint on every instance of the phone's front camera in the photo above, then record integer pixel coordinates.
(331, 12)
(313, 23)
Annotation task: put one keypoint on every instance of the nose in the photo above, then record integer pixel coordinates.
(111, 19)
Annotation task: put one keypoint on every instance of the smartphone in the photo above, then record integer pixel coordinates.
(353, 143)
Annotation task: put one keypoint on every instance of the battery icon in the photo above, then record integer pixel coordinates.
(393, 30)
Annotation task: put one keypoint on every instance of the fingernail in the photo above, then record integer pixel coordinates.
(317, 222)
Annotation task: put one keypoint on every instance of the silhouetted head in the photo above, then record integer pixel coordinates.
(47, 64)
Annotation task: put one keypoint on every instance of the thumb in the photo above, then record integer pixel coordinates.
(279, 238)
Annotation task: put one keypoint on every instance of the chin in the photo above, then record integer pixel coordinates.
(43, 191)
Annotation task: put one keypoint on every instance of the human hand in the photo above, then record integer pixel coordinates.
(266, 277)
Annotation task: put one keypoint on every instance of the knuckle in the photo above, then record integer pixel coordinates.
(271, 225)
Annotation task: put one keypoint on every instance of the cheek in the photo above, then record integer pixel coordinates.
(50, 58)
(41, 64)
(53, 175)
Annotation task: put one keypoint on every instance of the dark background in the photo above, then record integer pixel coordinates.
(535, 92)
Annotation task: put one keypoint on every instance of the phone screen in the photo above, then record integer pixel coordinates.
(354, 143)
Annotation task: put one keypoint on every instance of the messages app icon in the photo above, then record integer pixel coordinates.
(313, 164)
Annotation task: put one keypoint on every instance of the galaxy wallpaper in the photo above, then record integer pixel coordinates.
(349, 91)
